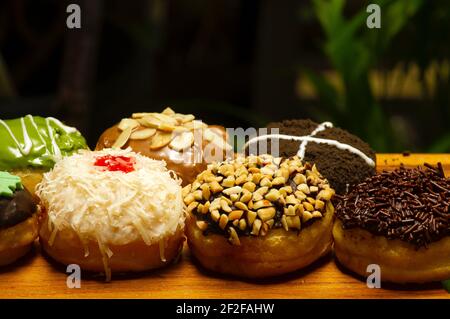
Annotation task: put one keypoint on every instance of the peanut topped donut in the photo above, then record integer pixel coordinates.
(259, 216)
(111, 210)
(399, 220)
(187, 145)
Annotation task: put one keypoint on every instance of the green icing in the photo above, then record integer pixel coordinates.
(446, 285)
(36, 142)
(9, 184)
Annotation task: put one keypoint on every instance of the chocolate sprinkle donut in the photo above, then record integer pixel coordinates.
(407, 204)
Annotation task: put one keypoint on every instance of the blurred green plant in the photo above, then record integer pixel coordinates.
(353, 50)
(424, 43)
(432, 46)
(446, 285)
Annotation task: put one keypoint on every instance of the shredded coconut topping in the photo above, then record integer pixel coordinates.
(112, 207)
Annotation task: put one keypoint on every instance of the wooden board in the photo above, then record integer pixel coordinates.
(38, 277)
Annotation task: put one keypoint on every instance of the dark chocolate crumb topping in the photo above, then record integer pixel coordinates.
(407, 204)
(342, 169)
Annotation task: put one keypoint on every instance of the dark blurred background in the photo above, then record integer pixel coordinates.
(238, 63)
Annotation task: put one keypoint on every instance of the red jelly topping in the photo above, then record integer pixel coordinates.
(116, 163)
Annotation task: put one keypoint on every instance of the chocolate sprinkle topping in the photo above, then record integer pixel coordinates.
(407, 204)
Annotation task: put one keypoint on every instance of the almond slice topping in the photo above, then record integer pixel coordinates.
(140, 115)
(167, 127)
(168, 111)
(149, 121)
(165, 119)
(209, 135)
(160, 139)
(143, 134)
(124, 123)
(123, 138)
(185, 118)
(195, 125)
(182, 141)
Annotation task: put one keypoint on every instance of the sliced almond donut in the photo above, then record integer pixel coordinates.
(185, 143)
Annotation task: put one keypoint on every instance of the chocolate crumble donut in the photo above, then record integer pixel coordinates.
(343, 158)
(399, 220)
(259, 216)
(18, 219)
(187, 145)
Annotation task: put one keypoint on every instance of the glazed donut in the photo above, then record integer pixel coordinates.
(112, 211)
(18, 219)
(259, 216)
(185, 144)
(400, 221)
(30, 146)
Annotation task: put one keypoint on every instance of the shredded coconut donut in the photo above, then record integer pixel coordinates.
(112, 207)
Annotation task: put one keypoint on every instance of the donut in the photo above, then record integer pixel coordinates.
(259, 216)
(187, 145)
(400, 221)
(30, 146)
(111, 211)
(18, 219)
(343, 158)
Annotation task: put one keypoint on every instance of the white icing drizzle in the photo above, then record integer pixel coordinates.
(37, 161)
(337, 144)
(26, 138)
(321, 127)
(65, 128)
(27, 145)
(33, 123)
(55, 146)
(19, 146)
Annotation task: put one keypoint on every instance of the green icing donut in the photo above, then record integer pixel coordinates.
(36, 142)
